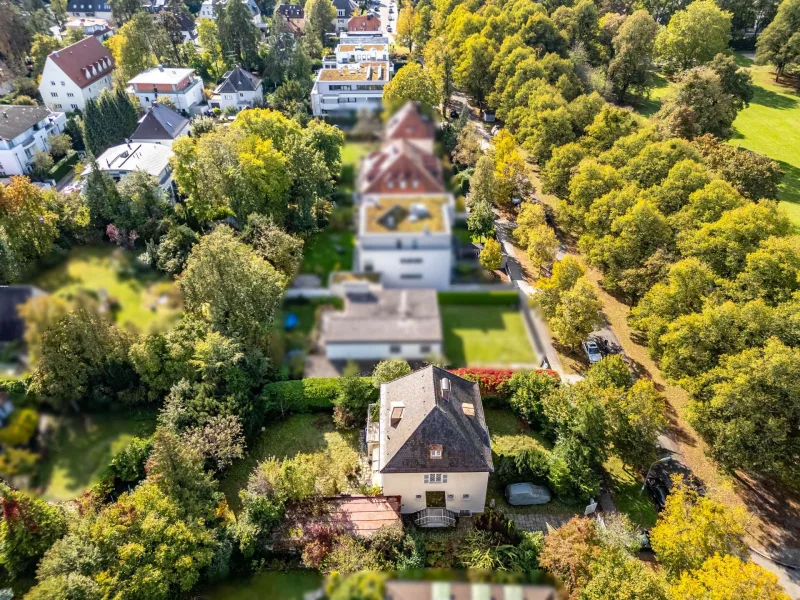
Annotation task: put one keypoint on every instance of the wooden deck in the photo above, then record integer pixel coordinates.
(362, 515)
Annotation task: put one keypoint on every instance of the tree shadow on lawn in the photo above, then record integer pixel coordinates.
(771, 99)
(84, 445)
(473, 319)
(286, 438)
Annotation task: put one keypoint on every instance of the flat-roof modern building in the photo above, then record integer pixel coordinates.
(151, 158)
(352, 78)
(380, 323)
(183, 88)
(24, 130)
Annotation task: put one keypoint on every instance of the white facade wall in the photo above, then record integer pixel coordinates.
(187, 99)
(376, 351)
(406, 267)
(411, 488)
(16, 156)
(238, 99)
(60, 93)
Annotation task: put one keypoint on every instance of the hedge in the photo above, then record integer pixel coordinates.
(302, 395)
(15, 388)
(509, 298)
(493, 383)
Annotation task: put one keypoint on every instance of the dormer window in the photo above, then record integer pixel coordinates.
(435, 451)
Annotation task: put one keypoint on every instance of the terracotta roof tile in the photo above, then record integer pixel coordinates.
(78, 60)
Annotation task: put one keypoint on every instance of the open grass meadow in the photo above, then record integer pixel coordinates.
(82, 447)
(769, 126)
(296, 434)
(485, 336)
(145, 299)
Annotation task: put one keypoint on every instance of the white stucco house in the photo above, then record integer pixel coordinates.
(75, 74)
(121, 160)
(100, 9)
(23, 132)
(180, 85)
(430, 446)
(377, 323)
(239, 88)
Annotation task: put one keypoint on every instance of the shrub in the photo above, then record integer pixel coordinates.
(349, 554)
(355, 394)
(496, 523)
(479, 298)
(367, 585)
(492, 382)
(20, 428)
(129, 464)
(14, 387)
(526, 390)
(389, 370)
(301, 396)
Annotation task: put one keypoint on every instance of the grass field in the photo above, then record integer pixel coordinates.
(83, 447)
(626, 490)
(107, 270)
(485, 336)
(352, 153)
(326, 252)
(297, 434)
(769, 126)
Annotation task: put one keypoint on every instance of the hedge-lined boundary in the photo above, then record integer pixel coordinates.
(302, 395)
(504, 298)
(15, 388)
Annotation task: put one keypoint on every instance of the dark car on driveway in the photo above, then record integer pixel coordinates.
(659, 479)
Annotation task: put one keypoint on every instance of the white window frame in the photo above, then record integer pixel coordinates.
(434, 478)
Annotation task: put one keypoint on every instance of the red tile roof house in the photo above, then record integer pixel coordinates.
(411, 125)
(364, 23)
(75, 74)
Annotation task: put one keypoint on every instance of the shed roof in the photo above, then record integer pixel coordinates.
(431, 417)
(362, 515)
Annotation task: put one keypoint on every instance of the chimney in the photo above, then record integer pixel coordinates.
(445, 388)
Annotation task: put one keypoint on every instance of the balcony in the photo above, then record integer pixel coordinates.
(435, 517)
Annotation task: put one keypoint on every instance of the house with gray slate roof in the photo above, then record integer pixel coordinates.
(377, 323)
(430, 445)
(161, 125)
(239, 88)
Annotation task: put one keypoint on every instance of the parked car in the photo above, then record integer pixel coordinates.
(659, 479)
(454, 114)
(525, 494)
(592, 351)
(495, 130)
(389, 28)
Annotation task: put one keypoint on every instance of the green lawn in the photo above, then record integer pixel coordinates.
(106, 269)
(769, 126)
(326, 252)
(352, 153)
(510, 435)
(82, 448)
(485, 336)
(626, 490)
(297, 434)
(276, 585)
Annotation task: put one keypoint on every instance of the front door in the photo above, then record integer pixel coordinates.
(435, 500)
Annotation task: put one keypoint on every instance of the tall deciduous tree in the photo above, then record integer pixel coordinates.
(473, 71)
(237, 33)
(411, 82)
(779, 43)
(693, 528)
(631, 69)
(728, 577)
(694, 36)
(233, 288)
(319, 18)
